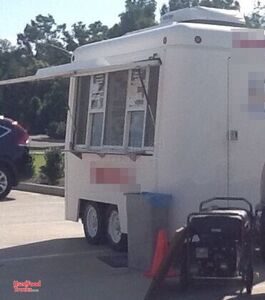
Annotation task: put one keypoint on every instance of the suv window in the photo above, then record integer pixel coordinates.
(4, 131)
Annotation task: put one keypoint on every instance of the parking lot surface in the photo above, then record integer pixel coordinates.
(38, 245)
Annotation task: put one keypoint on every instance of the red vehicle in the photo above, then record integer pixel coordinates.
(15, 160)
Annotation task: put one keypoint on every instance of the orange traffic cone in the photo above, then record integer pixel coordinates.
(160, 252)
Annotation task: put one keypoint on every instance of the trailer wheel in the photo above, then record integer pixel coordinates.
(116, 239)
(5, 182)
(93, 223)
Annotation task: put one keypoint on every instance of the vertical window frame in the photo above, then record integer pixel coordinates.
(96, 111)
(121, 147)
(129, 112)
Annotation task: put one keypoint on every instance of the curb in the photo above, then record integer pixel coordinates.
(40, 188)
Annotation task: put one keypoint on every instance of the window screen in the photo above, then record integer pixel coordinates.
(96, 129)
(82, 100)
(115, 110)
(96, 109)
(112, 109)
(136, 129)
(97, 92)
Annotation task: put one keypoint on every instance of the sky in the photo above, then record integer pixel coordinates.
(15, 14)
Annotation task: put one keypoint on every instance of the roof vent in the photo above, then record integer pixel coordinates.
(205, 15)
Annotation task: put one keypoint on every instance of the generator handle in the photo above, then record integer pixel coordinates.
(226, 199)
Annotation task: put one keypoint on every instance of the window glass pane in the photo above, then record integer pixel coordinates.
(115, 110)
(152, 97)
(82, 100)
(3, 131)
(136, 97)
(97, 91)
(136, 129)
(96, 129)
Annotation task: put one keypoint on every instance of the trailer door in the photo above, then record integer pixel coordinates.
(246, 123)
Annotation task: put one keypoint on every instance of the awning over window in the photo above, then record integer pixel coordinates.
(79, 69)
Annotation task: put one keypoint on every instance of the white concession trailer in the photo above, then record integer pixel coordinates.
(177, 108)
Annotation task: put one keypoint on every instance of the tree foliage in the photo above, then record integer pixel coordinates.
(179, 4)
(82, 34)
(54, 168)
(257, 18)
(138, 14)
(38, 46)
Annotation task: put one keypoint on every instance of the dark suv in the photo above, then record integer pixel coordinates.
(15, 161)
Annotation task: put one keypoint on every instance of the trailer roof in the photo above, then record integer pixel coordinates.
(214, 26)
(216, 36)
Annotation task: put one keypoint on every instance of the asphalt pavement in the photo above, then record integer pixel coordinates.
(38, 246)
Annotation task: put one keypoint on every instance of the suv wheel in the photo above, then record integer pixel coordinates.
(5, 182)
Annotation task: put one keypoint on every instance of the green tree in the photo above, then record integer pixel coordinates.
(224, 4)
(34, 105)
(138, 14)
(164, 9)
(6, 46)
(42, 39)
(32, 113)
(54, 168)
(257, 18)
(40, 45)
(55, 103)
(82, 34)
(179, 4)
(15, 100)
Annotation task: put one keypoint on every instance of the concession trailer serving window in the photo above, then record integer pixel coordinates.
(114, 105)
(116, 110)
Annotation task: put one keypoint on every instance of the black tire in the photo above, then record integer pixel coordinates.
(6, 180)
(93, 223)
(116, 239)
(184, 276)
(249, 275)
